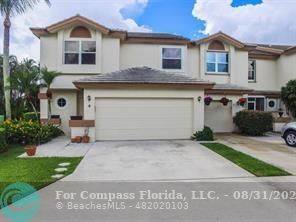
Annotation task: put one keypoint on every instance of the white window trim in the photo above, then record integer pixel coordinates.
(255, 74)
(216, 64)
(182, 58)
(80, 51)
(262, 97)
(61, 97)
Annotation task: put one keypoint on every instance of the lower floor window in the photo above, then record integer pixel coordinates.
(61, 102)
(256, 103)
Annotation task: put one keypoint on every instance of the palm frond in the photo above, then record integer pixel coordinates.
(16, 7)
(48, 76)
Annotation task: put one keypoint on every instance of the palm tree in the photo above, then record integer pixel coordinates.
(47, 77)
(13, 64)
(25, 85)
(8, 9)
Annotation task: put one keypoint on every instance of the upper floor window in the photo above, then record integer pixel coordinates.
(172, 58)
(80, 52)
(217, 62)
(252, 71)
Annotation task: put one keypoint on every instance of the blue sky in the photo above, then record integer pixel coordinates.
(255, 21)
(175, 16)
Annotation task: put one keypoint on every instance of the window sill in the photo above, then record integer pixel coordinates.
(218, 73)
(79, 64)
(252, 81)
(173, 70)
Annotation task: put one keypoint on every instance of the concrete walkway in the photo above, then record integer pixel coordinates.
(61, 147)
(153, 160)
(271, 149)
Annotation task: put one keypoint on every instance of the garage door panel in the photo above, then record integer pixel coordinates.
(154, 112)
(142, 123)
(133, 119)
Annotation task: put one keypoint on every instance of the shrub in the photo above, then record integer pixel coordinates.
(288, 96)
(253, 123)
(205, 135)
(3, 144)
(30, 132)
(31, 116)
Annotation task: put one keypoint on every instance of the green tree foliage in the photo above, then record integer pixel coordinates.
(12, 63)
(24, 87)
(9, 9)
(288, 96)
(25, 79)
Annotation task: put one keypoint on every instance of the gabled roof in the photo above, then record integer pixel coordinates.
(290, 50)
(74, 21)
(222, 37)
(155, 35)
(272, 51)
(123, 35)
(142, 75)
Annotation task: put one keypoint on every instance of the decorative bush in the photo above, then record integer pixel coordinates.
(3, 144)
(241, 101)
(208, 100)
(205, 135)
(30, 132)
(253, 123)
(31, 116)
(224, 101)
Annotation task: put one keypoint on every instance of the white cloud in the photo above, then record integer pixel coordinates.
(269, 22)
(106, 12)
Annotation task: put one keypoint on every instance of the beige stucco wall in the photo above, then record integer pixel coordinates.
(266, 75)
(138, 55)
(48, 51)
(239, 74)
(193, 62)
(110, 54)
(286, 68)
(215, 112)
(69, 110)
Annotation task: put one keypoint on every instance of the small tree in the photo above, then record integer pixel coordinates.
(47, 77)
(8, 9)
(288, 96)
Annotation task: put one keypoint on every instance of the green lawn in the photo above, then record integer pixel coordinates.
(251, 164)
(35, 171)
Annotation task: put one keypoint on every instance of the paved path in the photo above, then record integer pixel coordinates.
(153, 160)
(270, 149)
(61, 147)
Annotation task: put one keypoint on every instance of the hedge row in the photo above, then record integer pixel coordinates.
(29, 132)
(253, 123)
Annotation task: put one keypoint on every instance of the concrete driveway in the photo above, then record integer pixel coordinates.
(153, 160)
(270, 148)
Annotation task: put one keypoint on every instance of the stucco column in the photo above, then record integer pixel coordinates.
(90, 112)
(198, 112)
(43, 103)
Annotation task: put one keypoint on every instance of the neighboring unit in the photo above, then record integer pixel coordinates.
(132, 86)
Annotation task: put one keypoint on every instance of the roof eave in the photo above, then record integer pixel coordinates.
(229, 91)
(222, 37)
(112, 84)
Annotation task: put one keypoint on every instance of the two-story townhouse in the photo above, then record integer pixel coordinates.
(152, 85)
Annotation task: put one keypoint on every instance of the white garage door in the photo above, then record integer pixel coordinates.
(143, 119)
(219, 117)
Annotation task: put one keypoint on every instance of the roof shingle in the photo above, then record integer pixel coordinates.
(142, 75)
